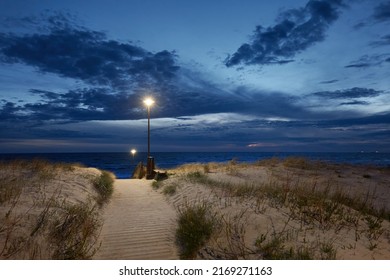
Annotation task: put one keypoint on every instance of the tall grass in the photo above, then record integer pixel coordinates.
(74, 232)
(37, 221)
(104, 184)
(324, 210)
(196, 223)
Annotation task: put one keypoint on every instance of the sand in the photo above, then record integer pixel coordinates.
(33, 197)
(252, 227)
(138, 224)
(139, 221)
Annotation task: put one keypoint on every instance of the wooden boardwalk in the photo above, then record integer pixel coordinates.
(139, 224)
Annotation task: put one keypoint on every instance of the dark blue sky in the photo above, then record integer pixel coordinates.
(249, 75)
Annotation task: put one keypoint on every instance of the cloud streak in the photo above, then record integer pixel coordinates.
(369, 61)
(295, 31)
(348, 93)
(88, 56)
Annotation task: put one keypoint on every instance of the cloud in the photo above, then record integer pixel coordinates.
(329, 82)
(369, 61)
(384, 41)
(87, 55)
(383, 119)
(355, 102)
(171, 101)
(351, 93)
(74, 105)
(382, 12)
(295, 31)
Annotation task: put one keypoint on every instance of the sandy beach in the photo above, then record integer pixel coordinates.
(272, 209)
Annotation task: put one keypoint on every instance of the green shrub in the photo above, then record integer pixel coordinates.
(297, 162)
(156, 184)
(74, 232)
(276, 249)
(196, 223)
(169, 189)
(104, 184)
(195, 175)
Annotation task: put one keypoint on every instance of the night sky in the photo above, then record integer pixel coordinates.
(231, 75)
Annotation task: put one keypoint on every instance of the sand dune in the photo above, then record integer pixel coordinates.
(294, 209)
(42, 209)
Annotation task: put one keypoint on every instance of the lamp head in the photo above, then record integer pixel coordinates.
(148, 102)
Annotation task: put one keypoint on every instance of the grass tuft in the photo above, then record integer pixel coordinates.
(74, 232)
(37, 221)
(196, 223)
(104, 184)
(169, 190)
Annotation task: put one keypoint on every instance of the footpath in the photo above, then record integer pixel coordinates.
(139, 224)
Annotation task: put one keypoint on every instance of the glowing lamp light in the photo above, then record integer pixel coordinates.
(148, 102)
(133, 151)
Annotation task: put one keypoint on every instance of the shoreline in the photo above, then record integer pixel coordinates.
(122, 164)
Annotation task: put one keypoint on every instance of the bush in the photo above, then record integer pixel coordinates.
(196, 223)
(169, 190)
(156, 184)
(104, 184)
(74, 232)
(297, 162)
(197, 177)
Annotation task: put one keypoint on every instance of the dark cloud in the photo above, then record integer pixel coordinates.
(295, 31)
(358, 65)
(171, 101)
(384, 41)
(375, 119)
(355, 102)
(369, 61)
(47, 20)
(329, 82)
(382, 12)
(74, 105)
(87, 55)
(351, 93)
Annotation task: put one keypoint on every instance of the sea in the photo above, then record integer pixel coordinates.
(123, 164)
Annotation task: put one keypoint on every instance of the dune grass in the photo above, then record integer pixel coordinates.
(170, 189)
(74, 231)
(305, 206)
(104, 184)
(196, 223)
(37, 221)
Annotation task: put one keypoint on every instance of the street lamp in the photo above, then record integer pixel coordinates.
(150, 162)
(148, 102)
(133, 151)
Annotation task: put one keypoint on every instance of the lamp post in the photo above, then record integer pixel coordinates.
(150, 161)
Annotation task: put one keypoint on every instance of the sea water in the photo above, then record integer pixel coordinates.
(123, 164)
